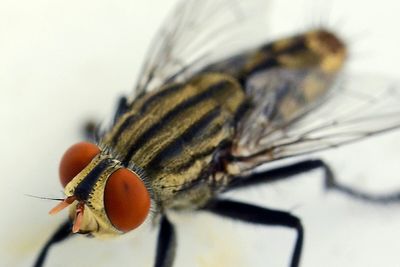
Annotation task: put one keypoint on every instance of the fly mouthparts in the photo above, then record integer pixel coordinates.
(78, 217)
(62, 205)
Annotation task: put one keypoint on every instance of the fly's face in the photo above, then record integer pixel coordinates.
(105, 198)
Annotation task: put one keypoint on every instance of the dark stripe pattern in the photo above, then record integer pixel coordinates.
(173, 133)
(84, 188)
(142, 112)
(172, 114)
(175, 148)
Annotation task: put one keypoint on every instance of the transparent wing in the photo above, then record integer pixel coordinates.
(354, 108)
(198, 33)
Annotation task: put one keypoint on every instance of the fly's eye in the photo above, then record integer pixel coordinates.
(75, 159)
(126, 200)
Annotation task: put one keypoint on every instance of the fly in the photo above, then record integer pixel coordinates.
(199, 124)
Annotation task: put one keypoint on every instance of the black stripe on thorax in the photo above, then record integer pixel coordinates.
(145, 106)
(152, 131)
(83, 190)
(173, 148)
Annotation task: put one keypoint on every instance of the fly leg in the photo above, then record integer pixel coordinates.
(62, 233)
(290, 171)
(282, 173)
(122, 107)
(91, 128)
(260, 215)
(166, 244)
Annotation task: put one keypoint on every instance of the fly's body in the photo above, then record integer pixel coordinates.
(193, 131)
(182, 135)
(176, 134)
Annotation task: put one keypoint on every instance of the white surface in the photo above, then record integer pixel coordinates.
(65, 61)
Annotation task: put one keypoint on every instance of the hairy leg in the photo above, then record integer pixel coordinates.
(260, 215)
(166, 244)
(62, 233)
(290, 171)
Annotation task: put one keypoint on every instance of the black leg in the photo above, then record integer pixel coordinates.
(91, 128)
(281, 173)
(90, 131)
(122, 107)
(63, 232)
(166, 244)
(259, 215)
(290, 171)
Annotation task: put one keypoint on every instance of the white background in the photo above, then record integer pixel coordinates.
(63, 62)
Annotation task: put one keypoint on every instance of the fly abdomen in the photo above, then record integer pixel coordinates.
(315, 49)
(318, 49)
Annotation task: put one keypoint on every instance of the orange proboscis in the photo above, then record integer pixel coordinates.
(78, 217)
(79, 211)
(62, 205)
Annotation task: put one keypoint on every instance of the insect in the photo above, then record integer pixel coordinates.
(200, 124)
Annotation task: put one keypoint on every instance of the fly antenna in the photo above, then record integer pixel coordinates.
(45, 198)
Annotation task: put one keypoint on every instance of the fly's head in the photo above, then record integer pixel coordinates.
(105, 198)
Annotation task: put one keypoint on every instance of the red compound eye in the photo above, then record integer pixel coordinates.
(75, 159)
(126, 200)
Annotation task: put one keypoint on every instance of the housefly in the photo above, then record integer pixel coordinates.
(205, 114)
